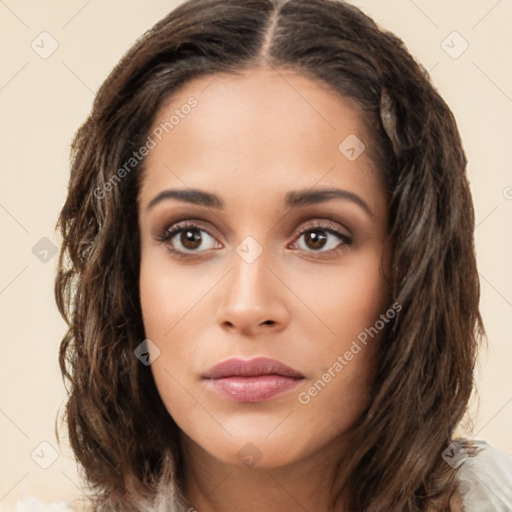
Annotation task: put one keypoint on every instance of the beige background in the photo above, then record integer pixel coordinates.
(43, 102)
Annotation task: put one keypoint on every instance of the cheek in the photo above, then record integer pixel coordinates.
(174, 315)
(168, 294)
(343, 346)
(346, 300)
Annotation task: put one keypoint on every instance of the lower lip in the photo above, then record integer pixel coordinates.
(253, 389)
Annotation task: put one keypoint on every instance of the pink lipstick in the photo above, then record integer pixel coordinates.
(256, 380)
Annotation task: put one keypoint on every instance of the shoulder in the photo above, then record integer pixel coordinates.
(485, 478)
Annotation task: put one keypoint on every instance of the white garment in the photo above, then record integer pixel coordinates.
(485, 480)
(31, 504)
(485, 484)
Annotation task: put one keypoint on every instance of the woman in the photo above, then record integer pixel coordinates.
(268, 273)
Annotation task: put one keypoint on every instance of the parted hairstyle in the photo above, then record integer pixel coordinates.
(124, 439)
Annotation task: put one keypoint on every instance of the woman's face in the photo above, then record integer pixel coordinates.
(268, 264)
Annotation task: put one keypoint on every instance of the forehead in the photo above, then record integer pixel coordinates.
(260, 127)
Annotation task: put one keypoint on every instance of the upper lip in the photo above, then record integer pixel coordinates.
(250, 368)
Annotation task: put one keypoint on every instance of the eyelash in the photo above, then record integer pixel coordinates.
(179, 227)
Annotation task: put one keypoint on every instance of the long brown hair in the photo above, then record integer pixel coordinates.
(122, 435)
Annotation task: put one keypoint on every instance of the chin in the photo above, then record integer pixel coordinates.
(252, 448)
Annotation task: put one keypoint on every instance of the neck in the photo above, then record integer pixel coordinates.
(214, 486)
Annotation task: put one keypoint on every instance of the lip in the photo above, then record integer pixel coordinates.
(255, 380)
(236, 367)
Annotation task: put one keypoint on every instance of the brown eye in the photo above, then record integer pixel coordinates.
(187, 238)
(321, 239)
(315, 239)
(191, 239)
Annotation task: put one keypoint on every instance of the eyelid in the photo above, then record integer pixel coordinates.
(327, 225)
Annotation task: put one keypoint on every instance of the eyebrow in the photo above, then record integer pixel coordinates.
(293, 199)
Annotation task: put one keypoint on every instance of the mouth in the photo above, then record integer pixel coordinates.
(256, 380)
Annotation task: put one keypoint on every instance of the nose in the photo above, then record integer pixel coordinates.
(253, 298)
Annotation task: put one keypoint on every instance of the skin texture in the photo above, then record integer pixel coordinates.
(250, 140)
